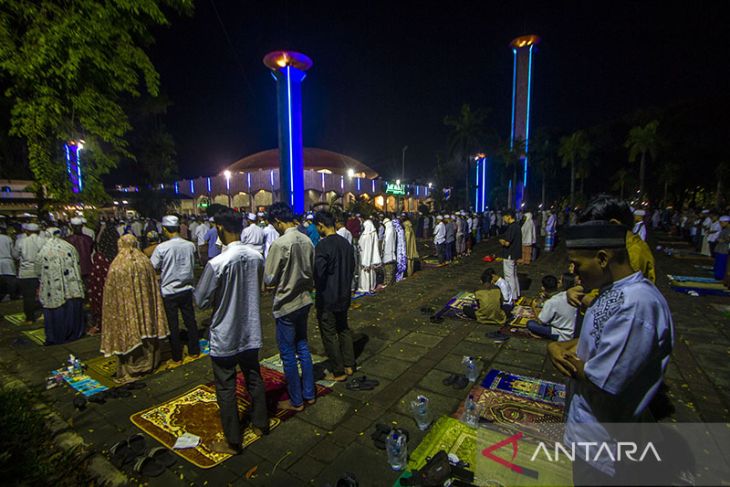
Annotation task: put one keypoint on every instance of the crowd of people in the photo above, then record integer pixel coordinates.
(138, 277)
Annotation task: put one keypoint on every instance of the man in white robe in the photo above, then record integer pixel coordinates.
(253, 235)
(388, 252)
(369, 257)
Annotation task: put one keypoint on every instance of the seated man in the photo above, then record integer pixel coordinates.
(556, 321)
(508, 301)
(489, 298)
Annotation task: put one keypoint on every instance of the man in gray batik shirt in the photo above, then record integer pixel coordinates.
(230, 284)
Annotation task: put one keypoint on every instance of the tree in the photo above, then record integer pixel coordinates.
(668, 176)
(68, 65)
(511, 154)
(620, 179)
(722, 173)
(542, 154)
(467, 131)
(574, 149)
(642, 140)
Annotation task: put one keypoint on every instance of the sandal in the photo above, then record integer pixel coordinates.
(148, 467)
(163, 456)
(460, 382)
(362, 384)
(450, 379)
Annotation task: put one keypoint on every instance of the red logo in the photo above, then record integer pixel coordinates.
(487, 452)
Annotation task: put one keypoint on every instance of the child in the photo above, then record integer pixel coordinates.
(504, 287)
(489, 298)
(557, 318)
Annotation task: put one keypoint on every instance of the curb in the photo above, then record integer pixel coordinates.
(99, 468)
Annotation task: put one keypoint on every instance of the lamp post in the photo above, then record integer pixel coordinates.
(227, 174)
(403, 163)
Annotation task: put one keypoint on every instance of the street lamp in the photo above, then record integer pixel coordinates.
(227, 174)
(403, 163)
(350, 173)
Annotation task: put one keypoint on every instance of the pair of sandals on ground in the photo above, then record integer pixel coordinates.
(133, 450)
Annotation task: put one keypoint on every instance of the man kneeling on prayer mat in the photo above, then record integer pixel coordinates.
(617, 364)
(230, 284)
(556, 320)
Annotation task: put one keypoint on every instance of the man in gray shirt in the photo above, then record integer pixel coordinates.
(230, 284)
(175, 258)
(289, 267)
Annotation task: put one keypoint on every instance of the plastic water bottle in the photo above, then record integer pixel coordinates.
(471, 368)
(421, 412)
(470, 416)
(397, 448)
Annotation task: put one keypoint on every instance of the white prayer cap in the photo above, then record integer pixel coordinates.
(170, 221)
(704, 212)
(83, 220)
(32, 227)
(76, 221)
(310, 216)
(357, 214)
(54, 230)
(211, 219)
(252, 216)
(725, 218)
(439, 217)
(260, 214)
(639, 212)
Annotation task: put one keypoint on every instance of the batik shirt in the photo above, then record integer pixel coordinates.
(60, 275)
(625, 342)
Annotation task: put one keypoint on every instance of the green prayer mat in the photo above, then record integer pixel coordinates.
(450, 435)
(18, 319)
(38, 336)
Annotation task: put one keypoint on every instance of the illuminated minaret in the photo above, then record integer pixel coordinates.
(289, 70)
(522, 71)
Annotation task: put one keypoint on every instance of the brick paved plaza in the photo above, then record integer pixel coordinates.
(406, 353)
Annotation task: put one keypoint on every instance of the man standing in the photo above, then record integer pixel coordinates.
(354, 226)
(639, 225)
(253, 235)
(550, 230)
(334, 265)
(27, 250)
(618, 362)
(175, 258)
(230, 284)
(199, 239)
(342, 230)
(7, 264)
(439, 238)
(388, 252)
(211, 239)
(289, 267)
(450, 237)
(191, 228)
(84, 246)
(311, 230)
(270, 234)
(511, 251)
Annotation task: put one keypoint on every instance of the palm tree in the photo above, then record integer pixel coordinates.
(668, 176)
(619, 181)
(543, 154)
(467, 131)
(642, 140)
(574, 149)
(722, 174)
(511, 155)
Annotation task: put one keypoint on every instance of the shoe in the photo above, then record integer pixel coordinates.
(501, 338)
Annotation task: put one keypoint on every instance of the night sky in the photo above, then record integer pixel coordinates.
(385, 76)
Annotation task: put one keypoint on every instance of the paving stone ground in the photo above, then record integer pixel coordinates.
(406, 353)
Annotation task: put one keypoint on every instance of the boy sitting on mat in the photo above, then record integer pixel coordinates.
(556, 320)
(490, 310)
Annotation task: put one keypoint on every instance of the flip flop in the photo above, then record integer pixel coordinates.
(137, 444)
(133, 386)
(163, 456)
(362, 385)
(460, 382)
(121, 454)
(148, 467)
(450, 379)
(119, 393)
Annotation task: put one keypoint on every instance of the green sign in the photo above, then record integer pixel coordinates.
(395, 189)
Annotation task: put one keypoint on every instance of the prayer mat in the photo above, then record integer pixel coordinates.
(523, 314)
(450, 435)
(359, 295)
(529, 302)
(81, 382)
(18, 319)
(529, 387)
(195, 412)
(701, 291)
(103, 368)
(274, 363)
(38, 336)
(454, 308)
(432, 262)
(680, 243)
(699, 284)
(502, 408)
(722, 308)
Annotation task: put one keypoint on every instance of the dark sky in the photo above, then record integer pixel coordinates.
(385, 74)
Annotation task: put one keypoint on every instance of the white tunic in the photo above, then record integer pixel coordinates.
(369, 257)
(253, 236)
(345, 233)
(27, 251)
(7, 262)
(389, 243)
(270, 234)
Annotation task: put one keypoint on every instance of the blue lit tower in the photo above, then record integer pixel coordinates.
(73, 164)
(289, 70)
(522, 51)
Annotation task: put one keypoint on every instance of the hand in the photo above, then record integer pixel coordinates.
(562, 359)
(575, 296)
(503, 242)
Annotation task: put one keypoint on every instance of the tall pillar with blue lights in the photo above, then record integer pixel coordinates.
(73, 164)
(522, 72)
(481, 187)
(289, 70)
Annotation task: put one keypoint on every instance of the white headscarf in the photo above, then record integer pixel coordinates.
(528, 230)
(368, 243)
(388, 242)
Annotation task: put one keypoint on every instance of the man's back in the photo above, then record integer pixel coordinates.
(514, 237)
(230, 283)
(289, 266)
(176, 259)
(84, 246)
(334, 265)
